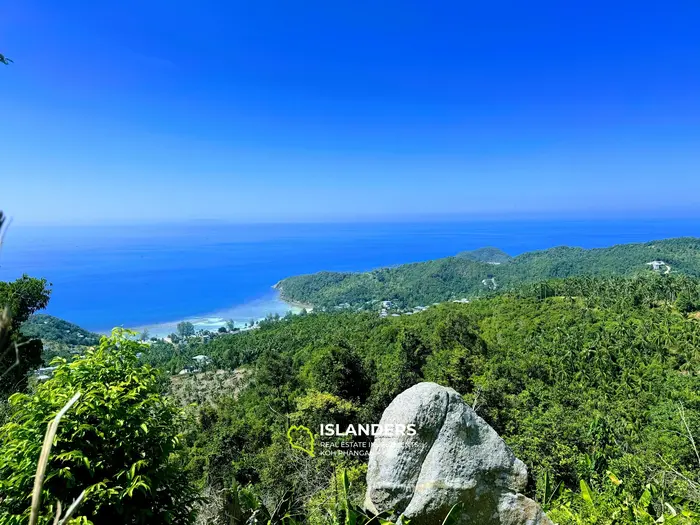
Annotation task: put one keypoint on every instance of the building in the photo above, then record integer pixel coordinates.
(202, 360)
(42, 374)
(656, 265)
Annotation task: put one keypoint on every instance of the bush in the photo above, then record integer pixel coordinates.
(120, 443)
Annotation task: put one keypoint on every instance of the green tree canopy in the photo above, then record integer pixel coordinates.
(339, 371)
(23, 297)
(20, 298)
(185, 329)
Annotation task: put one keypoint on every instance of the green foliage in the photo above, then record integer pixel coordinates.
(337, 370)
(120, 442)
(586, 374)
(50, 328)
(185, 329)
(462, 276)
(341, 502)
(488, 254)
(687, 302)
(582, 376)
(581, 379)
(22, 298)
(615, 505)
(243, 506)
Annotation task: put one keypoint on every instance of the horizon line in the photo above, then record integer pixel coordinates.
(650, 215)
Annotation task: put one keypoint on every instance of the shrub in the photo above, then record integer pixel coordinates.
(120, 443)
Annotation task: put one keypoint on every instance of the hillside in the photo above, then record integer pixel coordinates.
(50, 328)
(596, 378)
(469, 275)
(488, 254)
(591, 381)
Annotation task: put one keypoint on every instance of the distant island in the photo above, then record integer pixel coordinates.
(486, 271)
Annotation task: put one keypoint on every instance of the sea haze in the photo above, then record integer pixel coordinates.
(136, 276)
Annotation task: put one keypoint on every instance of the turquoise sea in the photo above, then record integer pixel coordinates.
(156, 275)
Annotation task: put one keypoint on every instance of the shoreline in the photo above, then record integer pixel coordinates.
(305, 306)
(241, 315)
(297, 304)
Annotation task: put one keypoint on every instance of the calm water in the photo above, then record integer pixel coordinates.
(151, 275)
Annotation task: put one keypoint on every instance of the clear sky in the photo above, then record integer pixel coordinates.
(249, 111)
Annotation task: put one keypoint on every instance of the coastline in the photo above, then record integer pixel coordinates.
(106, 295)
(296, 304)
(241, 315)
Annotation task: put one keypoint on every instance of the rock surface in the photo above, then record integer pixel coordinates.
(454, 457)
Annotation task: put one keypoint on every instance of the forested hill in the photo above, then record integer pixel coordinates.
(472, 274)
(488, 254)
(593, 380)
(50, 328)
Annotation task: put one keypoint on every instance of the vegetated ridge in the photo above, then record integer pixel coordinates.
(53, 329)
(486, 271)
(591, 380)
(488, 254)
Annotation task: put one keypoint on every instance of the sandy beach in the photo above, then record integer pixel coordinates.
(241, 315)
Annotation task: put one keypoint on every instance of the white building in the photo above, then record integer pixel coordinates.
(656, 265)
(202, 359)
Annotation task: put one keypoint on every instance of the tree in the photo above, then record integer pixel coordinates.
(4, 59)
(274, 374)
(185, 329)
(120, 442)
(20, 298)
(339, 371)
(230, 325)
(686, 303)
(144, 335)
(23, 297)
(222, 330)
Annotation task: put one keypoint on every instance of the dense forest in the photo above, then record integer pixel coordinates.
(474, 274)
(591, 380)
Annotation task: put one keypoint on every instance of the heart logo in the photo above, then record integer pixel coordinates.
(301, 438)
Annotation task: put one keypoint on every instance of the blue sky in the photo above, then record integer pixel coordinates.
(267, 111)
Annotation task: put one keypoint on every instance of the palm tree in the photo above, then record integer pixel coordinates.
(4, 59)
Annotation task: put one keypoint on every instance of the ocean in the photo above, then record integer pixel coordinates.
(156, 275)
